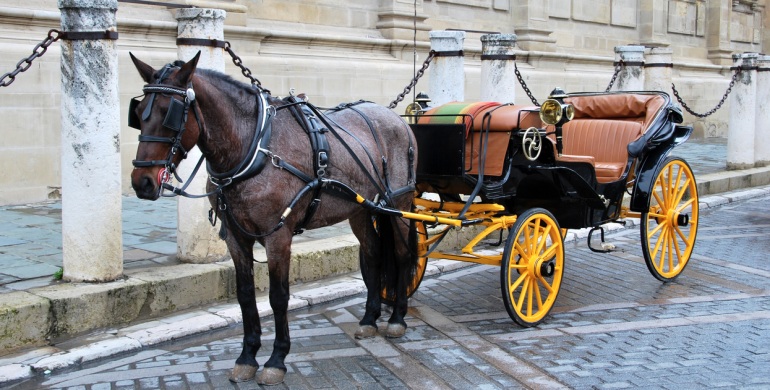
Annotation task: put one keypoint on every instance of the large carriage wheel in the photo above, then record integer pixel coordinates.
(669, 227)
(532, 268)
(422, 262)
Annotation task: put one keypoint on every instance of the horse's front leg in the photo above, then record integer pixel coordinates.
(370, 271)
(406, 264)
(278, 259)
(241, 249)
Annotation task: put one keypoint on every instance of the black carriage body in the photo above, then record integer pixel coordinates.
(569, 190)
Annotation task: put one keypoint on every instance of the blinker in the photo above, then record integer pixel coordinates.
(175, 115)
(133, 119)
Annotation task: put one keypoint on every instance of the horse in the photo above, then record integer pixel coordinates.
(223, 122)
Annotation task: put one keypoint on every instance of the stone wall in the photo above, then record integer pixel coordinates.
(344, 50)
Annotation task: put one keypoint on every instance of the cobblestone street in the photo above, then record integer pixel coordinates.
(614, 326)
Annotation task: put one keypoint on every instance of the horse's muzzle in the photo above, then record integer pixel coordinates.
(144, 186)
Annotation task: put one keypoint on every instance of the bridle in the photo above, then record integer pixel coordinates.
(175, 120)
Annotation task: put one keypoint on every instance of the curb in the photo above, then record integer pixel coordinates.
(161, 330)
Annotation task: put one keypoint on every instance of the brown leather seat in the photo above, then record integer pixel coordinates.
(506, 118)
(603, 127)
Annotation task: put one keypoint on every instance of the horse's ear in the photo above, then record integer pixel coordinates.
(146, 71)
(186, 72)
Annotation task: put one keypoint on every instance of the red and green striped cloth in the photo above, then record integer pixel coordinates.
(452, 113)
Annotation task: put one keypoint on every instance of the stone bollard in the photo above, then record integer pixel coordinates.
(743, 107)
(498, 78)
(658, 69)
(92, 234)
(762, 128)
(631, 76)
(447, 74)
(196, 240)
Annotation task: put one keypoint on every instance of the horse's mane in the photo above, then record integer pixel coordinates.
(213, 74)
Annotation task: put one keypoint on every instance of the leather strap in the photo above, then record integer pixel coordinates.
(88, 35)
(200, 42)
(490, 57)
(626, 63)
(659, 65)
(450, 53)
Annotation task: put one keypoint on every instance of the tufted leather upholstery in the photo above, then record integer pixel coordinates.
(603, 127)
(507, 118)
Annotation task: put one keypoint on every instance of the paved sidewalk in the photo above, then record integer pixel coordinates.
(30, 236)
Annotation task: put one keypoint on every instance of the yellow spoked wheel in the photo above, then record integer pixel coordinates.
(669, 227)
(532, 268)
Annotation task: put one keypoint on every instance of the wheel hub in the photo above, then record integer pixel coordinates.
(547, 268)
(683, 219)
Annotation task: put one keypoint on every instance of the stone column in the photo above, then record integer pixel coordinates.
(531, 22)
(396, 20)
(498, 78)
(743, 107)
(631, 76)
(92, 234)
(197, 241)
(718, 31)
(447, 74)
(762, 128)
(658, 69)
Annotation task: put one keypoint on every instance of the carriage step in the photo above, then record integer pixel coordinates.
(606, 246)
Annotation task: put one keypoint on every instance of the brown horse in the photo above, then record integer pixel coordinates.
(223, 122)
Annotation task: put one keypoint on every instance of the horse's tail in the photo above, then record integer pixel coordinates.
(392, 263)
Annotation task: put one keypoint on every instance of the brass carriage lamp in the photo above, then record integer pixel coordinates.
(419, 105)
(554, 112)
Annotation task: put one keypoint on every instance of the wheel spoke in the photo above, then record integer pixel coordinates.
(533, 240)
(523, 294)
(652, 233)
(676, 246)
(537, 294)
(526, 232)
(529, 297)
(521, 251)
(540, 245)
(656, 215)
(517, 283)
(655, 194)
(685, 239)
(680, 191)
(551, 251)
(664, 240)
(670, 188)
(670, 253)
(654, 253)
(689, 202)
(545, 284)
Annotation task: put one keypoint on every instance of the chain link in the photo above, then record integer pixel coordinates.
(244, 70)
(618, 68)
(417, 77)
(11, 76)
(524, 85)
(721, 102)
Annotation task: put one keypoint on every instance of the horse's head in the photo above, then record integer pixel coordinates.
(167, 131)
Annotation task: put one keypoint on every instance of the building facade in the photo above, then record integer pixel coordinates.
(343, 50)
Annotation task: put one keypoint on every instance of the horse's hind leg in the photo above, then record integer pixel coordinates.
(370, 271)
(278, 259)
(406, 261)
(242, 252)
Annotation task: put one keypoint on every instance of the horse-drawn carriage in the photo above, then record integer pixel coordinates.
(538, 171)
(273, 172)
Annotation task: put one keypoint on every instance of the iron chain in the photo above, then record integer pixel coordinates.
(721, 102)
(244, 70)
(618, 68)
(524, 85)
(417, 77)
(25, 63)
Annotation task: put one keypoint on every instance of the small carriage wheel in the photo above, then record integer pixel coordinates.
(670, 225)
(532, 267)
(422, 262)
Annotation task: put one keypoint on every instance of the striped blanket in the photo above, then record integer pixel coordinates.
(453, 113)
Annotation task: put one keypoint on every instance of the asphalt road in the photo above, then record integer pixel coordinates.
(614, 326)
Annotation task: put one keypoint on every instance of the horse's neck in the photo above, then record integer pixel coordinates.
(227, 132)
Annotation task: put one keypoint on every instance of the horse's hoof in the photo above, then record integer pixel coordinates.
(395, 330)
(365, 332)
(271, 376)
(243, 373)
